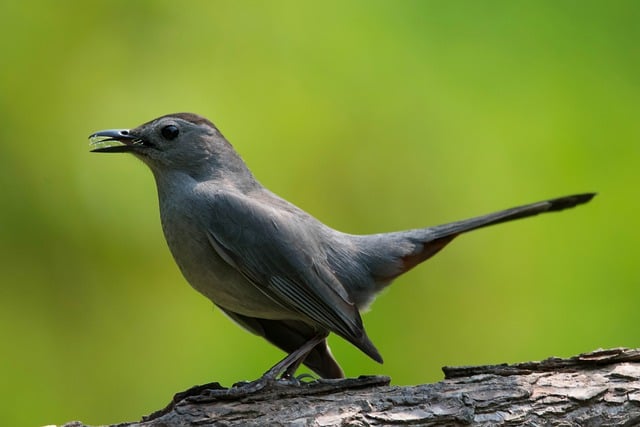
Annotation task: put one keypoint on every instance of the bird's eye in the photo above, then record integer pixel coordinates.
(170, 132)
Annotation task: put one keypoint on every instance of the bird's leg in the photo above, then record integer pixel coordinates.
(289, 364)
(290, 371)
(286, 367)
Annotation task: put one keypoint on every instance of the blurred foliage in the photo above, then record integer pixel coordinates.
(371, 115)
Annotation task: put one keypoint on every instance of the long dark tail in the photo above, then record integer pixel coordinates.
(553, 205)
(392, 254)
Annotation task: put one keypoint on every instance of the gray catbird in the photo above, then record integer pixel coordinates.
(273, 268)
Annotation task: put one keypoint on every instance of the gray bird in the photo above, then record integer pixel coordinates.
(270, 266)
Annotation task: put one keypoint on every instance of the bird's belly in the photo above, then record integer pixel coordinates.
(214, 278)
(230, 290)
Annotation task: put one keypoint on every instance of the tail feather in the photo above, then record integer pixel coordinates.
(553, 205)
(393, 254)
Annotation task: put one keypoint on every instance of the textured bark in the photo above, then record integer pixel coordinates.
(601, 388)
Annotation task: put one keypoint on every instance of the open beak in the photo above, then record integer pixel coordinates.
(113, 141)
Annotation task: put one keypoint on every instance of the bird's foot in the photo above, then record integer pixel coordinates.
(281, 376)
(268, 382)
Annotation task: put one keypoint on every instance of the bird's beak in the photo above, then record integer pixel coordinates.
(113, 141)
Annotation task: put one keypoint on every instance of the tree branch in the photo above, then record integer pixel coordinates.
(601, 388)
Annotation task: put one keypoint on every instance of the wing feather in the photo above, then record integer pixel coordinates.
(281, 253)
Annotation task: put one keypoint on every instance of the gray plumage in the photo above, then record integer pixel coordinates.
(271, 267)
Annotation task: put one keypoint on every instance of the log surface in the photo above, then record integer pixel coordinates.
(600, 388)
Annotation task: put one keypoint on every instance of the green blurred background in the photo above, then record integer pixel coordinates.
(373, 116)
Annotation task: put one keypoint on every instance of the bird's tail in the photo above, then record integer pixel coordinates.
(553, 205)
(396, 253)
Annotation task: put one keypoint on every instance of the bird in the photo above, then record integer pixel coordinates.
(271, 267)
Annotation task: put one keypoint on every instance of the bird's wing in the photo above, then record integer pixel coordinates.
(277, 251)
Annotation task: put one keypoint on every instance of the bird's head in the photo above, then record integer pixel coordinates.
(183, 142)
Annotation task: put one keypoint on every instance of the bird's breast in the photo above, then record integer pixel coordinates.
(207, 272)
